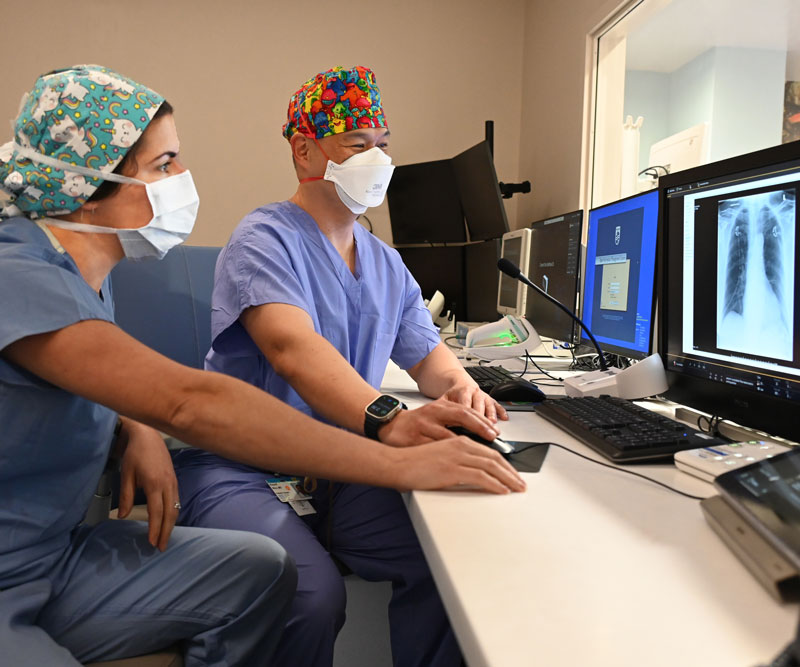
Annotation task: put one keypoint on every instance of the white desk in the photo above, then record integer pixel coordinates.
(591, 566)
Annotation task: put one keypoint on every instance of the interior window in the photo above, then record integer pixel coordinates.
(679, 83)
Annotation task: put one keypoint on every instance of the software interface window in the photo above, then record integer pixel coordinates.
(620, 273)
(739, 272)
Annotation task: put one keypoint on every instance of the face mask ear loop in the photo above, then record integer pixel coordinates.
(316, 178)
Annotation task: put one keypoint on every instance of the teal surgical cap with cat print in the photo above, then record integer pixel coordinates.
(87, 115)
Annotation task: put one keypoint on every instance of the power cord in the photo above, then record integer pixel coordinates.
(711, 424)
(455, 347)
(629, 472)
(541, 370)
(369, 222)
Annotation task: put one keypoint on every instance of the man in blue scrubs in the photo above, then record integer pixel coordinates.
(310, 307)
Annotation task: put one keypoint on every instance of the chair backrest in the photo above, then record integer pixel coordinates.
(166, 304)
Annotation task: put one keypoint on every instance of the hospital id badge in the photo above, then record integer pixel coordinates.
(287, 491)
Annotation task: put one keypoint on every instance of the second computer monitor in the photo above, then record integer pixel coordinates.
(511, 293)
(619, 277)
(554, 266)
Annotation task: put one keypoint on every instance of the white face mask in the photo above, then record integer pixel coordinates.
(362, 179)
(174, 201)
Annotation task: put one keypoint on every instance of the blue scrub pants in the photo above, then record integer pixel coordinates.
(369, 531)
(223, 594)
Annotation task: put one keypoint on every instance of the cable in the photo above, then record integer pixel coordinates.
(712, 424)
(630, 472)
(653, 170)
(541, 370)
(455, 347)
(368, 221)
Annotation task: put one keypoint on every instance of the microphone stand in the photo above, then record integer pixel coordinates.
(646, 378)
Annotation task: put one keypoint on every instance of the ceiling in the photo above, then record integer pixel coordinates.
(684, 29)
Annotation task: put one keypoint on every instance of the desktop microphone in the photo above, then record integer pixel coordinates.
(512, 270)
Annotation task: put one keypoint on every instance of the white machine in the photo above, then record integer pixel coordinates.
(509, 337)
(709, 462)
(644, 378)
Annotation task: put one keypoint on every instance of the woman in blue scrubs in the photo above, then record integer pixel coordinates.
(92, 175)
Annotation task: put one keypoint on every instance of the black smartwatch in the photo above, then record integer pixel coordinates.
(381, 411)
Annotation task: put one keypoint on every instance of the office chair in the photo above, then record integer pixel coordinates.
(167, 306)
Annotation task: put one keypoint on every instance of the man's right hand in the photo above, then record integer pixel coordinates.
(431, 421)
(452, 463)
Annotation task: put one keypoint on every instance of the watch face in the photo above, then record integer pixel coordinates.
(382, 406)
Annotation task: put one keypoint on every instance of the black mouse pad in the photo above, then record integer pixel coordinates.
(530, 459)
(518, 406)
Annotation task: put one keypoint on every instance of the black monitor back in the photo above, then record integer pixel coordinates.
(480, 193)
(424, 204)
(439, 268)
(482, 278)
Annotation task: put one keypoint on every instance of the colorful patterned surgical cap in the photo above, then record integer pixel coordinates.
(86, 115)
(335, 101)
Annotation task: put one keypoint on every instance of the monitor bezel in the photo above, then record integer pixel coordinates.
(771, 414)
(522, 289)
(609, 347)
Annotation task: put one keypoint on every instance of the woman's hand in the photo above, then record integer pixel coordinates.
(146, 464)
(455, 462)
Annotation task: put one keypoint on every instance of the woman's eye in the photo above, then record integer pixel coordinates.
(164, 167)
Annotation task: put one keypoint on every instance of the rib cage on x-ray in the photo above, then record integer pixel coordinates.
(756, 251)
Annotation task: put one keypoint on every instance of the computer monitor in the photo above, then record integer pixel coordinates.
(480, 193)
(512, 295)
(729, 311)
(424, 204)
(554, 266)
(482, 277)
(439, 268)
(619, 276)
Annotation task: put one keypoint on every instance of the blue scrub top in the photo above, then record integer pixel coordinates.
(53, 444)
(278, 254)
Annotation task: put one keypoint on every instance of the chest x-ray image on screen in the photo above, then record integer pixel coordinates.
(755, 272)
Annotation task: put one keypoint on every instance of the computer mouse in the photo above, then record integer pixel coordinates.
(497, 444)
(517, 390)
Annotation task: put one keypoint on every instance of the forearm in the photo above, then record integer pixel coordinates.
(439, 372)
(239, 421)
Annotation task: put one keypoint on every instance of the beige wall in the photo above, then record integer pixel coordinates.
(229, 68)
(554, 77)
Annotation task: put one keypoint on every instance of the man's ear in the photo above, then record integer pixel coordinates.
(300, 149)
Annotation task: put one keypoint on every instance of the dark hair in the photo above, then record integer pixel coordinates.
(128, 164)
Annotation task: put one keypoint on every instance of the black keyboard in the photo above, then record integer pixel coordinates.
(488, 377)
(621, 430)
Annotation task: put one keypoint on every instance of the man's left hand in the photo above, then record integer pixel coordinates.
(468, 393)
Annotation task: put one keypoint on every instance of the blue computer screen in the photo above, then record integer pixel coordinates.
(618, 291)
